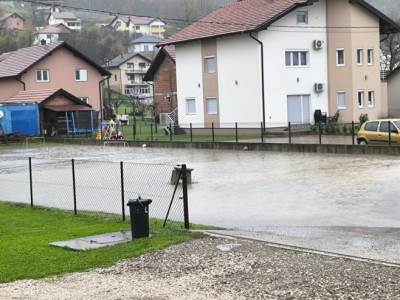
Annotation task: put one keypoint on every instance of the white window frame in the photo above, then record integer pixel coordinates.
(305, 12)
(370, 51)
(371, 104)
(337, 57)
(361, 92)
(292, 53)
(81, 80)
(216, 106)
(345, 99)
(206, 70)
(360, 50)
(42, 71)
(187, 106)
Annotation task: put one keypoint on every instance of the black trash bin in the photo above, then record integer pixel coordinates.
(139, 212)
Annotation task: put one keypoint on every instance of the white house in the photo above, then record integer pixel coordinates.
(69, 19)
(137, 24)
(51, 34)
(280, 65)
(146, 43)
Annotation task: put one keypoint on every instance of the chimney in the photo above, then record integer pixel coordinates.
(43, 42)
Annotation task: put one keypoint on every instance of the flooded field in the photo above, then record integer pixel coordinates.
(246, 190)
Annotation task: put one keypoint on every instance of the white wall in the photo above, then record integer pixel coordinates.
(189, 81)
(239, 61)
(281, 81)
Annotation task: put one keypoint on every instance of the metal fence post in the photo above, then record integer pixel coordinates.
(290, 132)
(390, 132)
(191, 133)
(151, 131)
(236, 133)
(122, 191)
(262, 133)
(185, 197)
(320, 133)
(213, 133)
(74, 185)
(134, 131)
(353, 132)
(30, 180)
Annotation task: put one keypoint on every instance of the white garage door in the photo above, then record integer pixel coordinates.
(298, 109)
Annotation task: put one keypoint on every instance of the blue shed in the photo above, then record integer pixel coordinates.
(21, 119)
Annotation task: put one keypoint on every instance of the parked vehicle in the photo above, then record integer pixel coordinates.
(379, 131)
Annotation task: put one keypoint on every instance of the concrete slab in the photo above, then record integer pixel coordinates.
(95, 242)
(375, 244)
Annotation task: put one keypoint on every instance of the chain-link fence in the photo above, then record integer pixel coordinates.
(99, 187)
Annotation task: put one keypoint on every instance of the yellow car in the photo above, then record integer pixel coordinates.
(377, 131)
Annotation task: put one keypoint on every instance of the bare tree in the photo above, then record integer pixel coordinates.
(390, 45)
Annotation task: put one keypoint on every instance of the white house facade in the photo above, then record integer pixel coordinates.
(279, 66)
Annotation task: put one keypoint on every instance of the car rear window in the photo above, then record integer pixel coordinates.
(397, 123)
(384, 127)
(371, 126)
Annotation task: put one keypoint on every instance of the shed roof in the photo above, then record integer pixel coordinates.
(166, 51)
(147, 39)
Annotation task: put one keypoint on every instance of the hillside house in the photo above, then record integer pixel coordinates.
(127, 72)
(139, 25)
(146, 44)
(69, 19)
(276, 62)
(52, 34)
(12, 21)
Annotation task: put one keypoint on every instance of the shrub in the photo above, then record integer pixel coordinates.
(363, 118)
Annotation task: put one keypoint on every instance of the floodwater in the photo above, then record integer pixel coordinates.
(246, 190)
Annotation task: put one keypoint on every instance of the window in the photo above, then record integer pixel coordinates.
(341, 99)
(191, 106)
(370, 55)
(340, 57)
(146, 47)
(137, 27)
(302, 17)
(371, 98)
(360, 56)
(81, 75)
(360, 99)
(85, 99)
(131, 66)
(212, 106)
(115, 77)
(144, 90)
(371, 126)
(142, 66)
(296, 58)
(210, 65)
(42, 76)
(129, 91)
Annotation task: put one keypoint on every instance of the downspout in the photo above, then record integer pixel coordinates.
(101, 105)
(262, 77)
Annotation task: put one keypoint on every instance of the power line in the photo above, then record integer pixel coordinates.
(187, 21)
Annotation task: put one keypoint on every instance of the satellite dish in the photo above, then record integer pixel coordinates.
(1, 114)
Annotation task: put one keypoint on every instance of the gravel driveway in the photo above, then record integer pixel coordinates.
(214, 268)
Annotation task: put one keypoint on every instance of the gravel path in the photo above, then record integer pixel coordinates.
(213, 268)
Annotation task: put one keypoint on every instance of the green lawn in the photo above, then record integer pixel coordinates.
(25, 234)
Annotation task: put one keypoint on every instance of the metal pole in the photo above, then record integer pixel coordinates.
(30, 180)
(290, 132)
(74, 185)
(191, 132)
(236, 133)
(213, 133)
(319, 133)
(262, 133)
(122, 191)
(390, 132)
(151, 131)
(185, 197)
(353, 132)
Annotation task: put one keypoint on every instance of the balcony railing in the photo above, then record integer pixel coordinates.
(137, 70)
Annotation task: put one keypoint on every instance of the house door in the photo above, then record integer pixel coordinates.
(298, 107)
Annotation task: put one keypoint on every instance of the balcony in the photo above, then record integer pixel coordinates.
(137, 70)
(135, 82)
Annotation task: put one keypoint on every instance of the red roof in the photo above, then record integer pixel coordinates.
(136, 20)
(237, 17)
(31, 96)
(60, 28)
(170, 49)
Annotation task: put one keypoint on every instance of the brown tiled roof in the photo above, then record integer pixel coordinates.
(60, 28)
(31, 96)
(166, 51)
(136, 20)
(12, 64)
(39, 96)
(237, 17)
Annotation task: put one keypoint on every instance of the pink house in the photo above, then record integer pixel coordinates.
(51, 67)
(12, 22)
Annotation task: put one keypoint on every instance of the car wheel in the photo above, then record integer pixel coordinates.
(362, 142)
